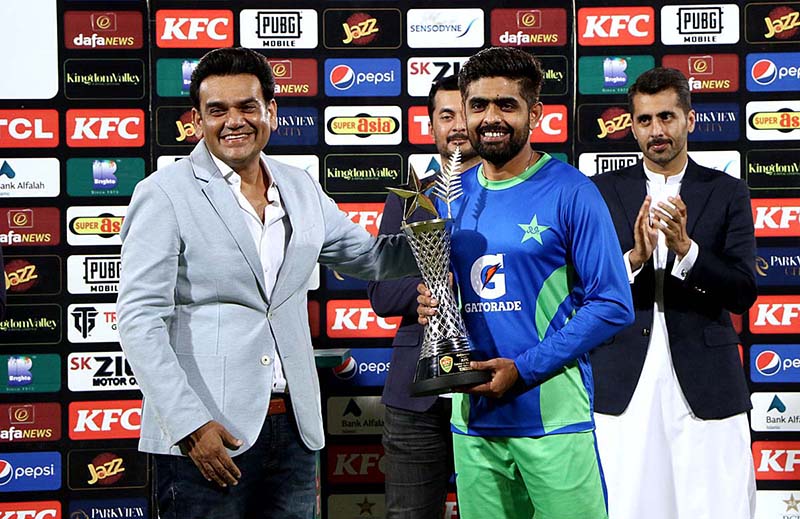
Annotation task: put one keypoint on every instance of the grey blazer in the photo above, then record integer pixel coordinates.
(195, 321)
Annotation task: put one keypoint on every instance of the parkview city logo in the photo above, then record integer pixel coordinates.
(363, 125)
(772, 22)
(30, 422)
(102, 30)
(715, 122)
(295, 77)
(608, 26)
(707, 72)
(702, 24)
(776, 460)
(775, 314)
(28, 128)
(110, 127)
(777, 266)
(105, 419)
(776, 217)
(278, 28)
(529, 27)
(129, 508)
(356, 319)
(31, 510)
(195, 28)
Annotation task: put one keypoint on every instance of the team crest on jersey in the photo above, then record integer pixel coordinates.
(533, 230)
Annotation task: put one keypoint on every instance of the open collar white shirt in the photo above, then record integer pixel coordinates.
(266, 234)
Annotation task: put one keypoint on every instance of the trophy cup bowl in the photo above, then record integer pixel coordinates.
(444, 359)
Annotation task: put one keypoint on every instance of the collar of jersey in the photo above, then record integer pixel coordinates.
(497, 185)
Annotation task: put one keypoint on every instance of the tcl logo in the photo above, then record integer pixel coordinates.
(776, 460)
(355, 318)
(366, 465)
(418, 125)
(31, 510)
(552, 126)
(110, 419)
(616, 26)
(105, 128)
(775, 314)
(185, 29)
(367, 216)
(28, 128)
(776, 216)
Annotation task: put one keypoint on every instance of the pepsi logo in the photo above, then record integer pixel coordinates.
(764, 72)
(342, 77)
(6, 472)
(346, 370)
(768, 363)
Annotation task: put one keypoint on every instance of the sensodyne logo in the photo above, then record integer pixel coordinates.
(450, 28)
(278, 28)
(700, 24)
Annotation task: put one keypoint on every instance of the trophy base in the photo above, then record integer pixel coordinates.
(445, 372)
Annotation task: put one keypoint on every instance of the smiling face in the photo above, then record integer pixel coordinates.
(448, 127)
(234, 119)
(661, 128)
(499, 120)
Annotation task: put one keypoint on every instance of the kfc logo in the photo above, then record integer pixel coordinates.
(367, 215)
(776, 217)
(28, 128)
(356, 319)
(616, 26)
(105, 128)
(186, 29)
(111, 419)
(356, 464)
(776, 460)
(775, 314)
(552, 126)
(31, 510)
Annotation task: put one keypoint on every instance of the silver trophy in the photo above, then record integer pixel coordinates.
(444, 359)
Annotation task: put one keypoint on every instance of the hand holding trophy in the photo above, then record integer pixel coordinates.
(444, 362)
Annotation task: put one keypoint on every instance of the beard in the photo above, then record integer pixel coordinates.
(499, 154)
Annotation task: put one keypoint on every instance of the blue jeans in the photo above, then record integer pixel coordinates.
(278, 480)
(419, 461)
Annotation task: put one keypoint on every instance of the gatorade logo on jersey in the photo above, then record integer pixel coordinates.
(488, 280)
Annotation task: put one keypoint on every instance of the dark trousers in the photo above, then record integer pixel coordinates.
(278, 481)
(419, 461)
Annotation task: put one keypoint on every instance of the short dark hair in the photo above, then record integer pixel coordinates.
(508, 62)
(445, 84)
(229, 62)
(659, 79)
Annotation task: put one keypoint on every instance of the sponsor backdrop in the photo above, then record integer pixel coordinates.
(100, 98)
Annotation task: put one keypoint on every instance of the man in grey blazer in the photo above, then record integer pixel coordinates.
(217, 252)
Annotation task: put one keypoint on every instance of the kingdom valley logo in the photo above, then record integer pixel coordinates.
(195, 28)
(707, 72)
(100, 468)
(110, 127)
(352, 29)
(103, 176)
(175, 126)
(105, 420)
(95, 225)
(776, 217)
(30, 177)
(294, 77)
(100, 371)
(30, 373)
(92, 322)
(31, 324)
(555, 74)
(775, 314)
(610, 74)
(363, 125)
(367, 215)
(103, 30)
(608, 26)
(33, 275)
(772, 22)
(31, 510)
(445, 28)
(700, 24)
(349, 319)
(273, 28)
(30, 422)
(93, 274)
(369, 173)
(355, 464)
(28, 128)
(529, 27)
(773, 169)
(104, 79)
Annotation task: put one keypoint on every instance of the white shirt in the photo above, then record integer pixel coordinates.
(265, 235)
